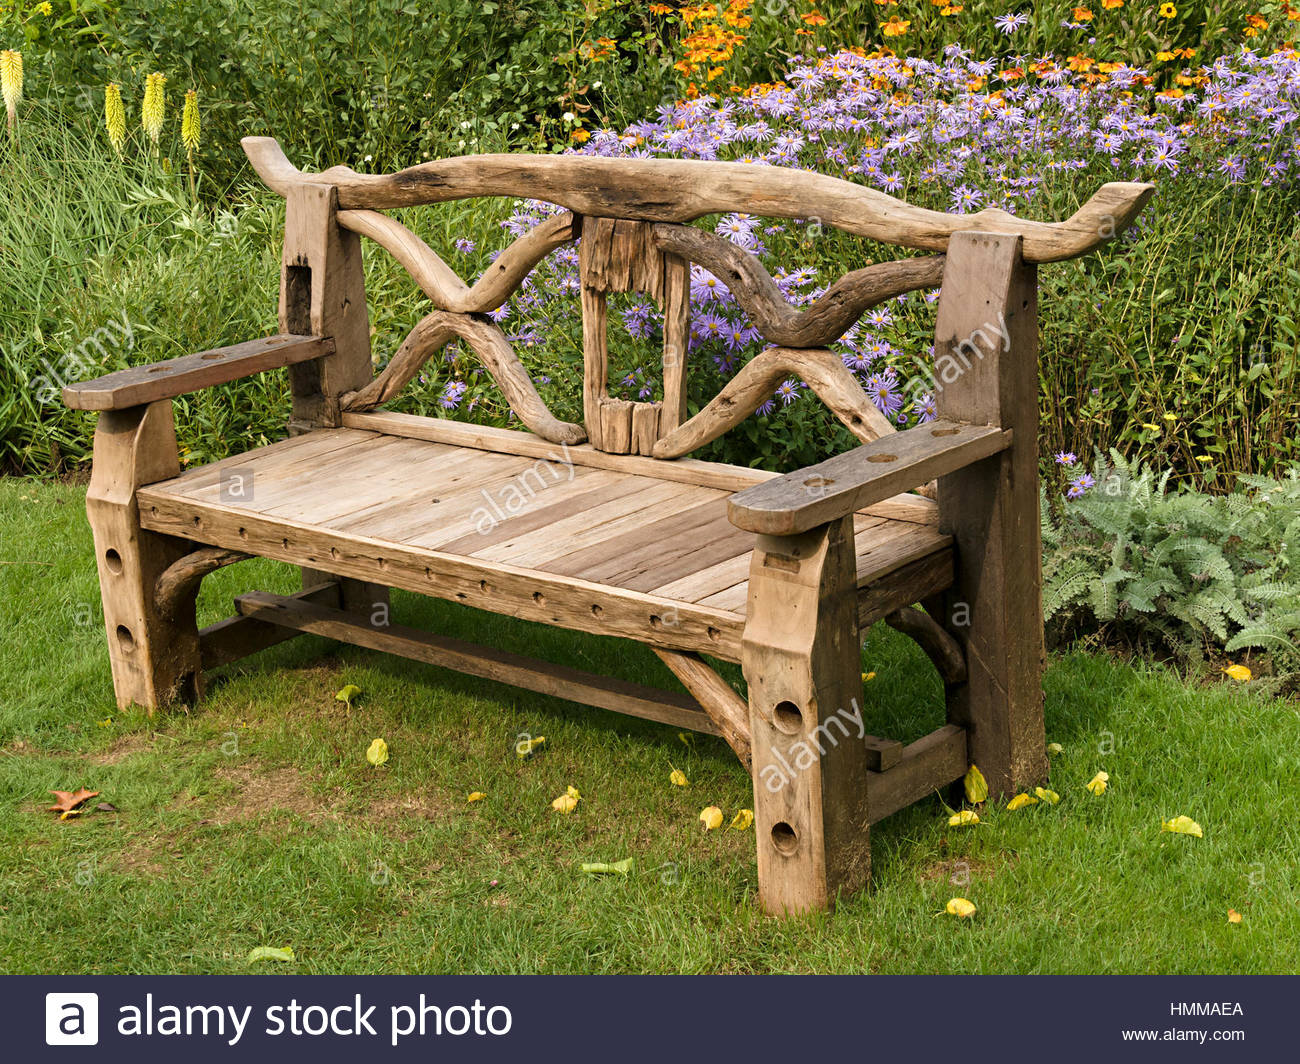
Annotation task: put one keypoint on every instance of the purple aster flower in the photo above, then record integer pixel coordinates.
(452, 393)
(1009, 23)
(1066, 458)
(464, 246)
(883, 390)
(787, 392)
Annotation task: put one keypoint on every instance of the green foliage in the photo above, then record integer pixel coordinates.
(1179, 570)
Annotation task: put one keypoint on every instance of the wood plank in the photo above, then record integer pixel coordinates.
(295, 452)
(566, 602)
(489, 663)
(865, 475)
(926, 766)
(238, 637)
(138, 385)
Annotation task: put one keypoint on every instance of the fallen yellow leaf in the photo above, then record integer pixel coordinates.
(475, 796)
(711, 817)
(525, 747)
(977, 788)
(867, 677)
(1182, 825)
(1044, 795)
(347, 694)
(1021, 800)
(1097, 785)
(965, 819)
(1238, 672)
(960, 907)
(678, 778)
(742, 820)
(1055, 748)
(568, 801)
(1234, 917)
(377, 753)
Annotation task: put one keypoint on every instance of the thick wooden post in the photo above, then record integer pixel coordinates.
(323, 293)
(986, 373)
(801, 660)
(155, 659)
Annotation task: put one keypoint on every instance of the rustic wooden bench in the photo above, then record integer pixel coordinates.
(778, 573)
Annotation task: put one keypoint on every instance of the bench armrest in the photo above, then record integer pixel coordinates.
(166, 380)
(868, 474)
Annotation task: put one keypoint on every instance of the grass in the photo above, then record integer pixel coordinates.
(255, 819)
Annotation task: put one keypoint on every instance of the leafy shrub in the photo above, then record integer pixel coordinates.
(1179, 571)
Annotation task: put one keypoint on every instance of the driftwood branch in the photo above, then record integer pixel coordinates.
(180, 580)
(724, 706)
(758, 294)
(440, 282)
(433, 332)
(934, 639)
(754, 384)
(681, 190)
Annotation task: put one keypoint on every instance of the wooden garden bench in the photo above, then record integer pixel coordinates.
(778, 573)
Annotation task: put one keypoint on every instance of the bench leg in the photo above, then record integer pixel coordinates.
(802, 662)
(155, 659)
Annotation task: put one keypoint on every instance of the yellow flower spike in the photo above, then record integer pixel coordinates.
(1182, 825)
(977, 788)
(525, 747)
(742, 820)
(114, 116)
(154, 108)
(711, 817)
(1020, 801)
(1097, 785)
(11, 83)
(475, 796)
(377, 752)
(1239, 673)
(678, 778)
(967, 818)
(1054, 748)
(960, 908)
(1044, 795)
(568, 801)
(191, 126)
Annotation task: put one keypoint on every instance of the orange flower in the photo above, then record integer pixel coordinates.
(895, 27)
(951, 9)
(660, 9)
(580, 136)
(1011, 74)
(1082, 14)
(1111, 5)
(814, 18)
(1170, 94)
(1079, 63)
(1257, 21)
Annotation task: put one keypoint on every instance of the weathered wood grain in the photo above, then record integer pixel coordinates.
(139, 385)
(729, 712)
(938, 644)
(867, 474)
(179, 582)
(756, 381)
(681, 190)
(830, 315)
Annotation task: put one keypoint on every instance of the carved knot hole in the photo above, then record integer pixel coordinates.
(112, 561)
(125, 640)
(944, 432)
(784, 838)
(818, 482)
(788, 718)
(882, 458)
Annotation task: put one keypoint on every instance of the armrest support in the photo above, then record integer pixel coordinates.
(868, 474)
(166, 380)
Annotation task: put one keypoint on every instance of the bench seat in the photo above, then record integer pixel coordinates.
(594, 547)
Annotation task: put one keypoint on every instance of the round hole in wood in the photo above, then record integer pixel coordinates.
(243, 533)
(484, 586)
(944, 432)
(818, 482)
(714, 634)
(157, 369)
(212, 355)
(539, 598)
(381, 563)
(125, 640)
(435, 500)
(112, 561)
(284, 543)
(788, 717)
(656, 621)
(596, 611)
(197, 521)
(784, 838)
(882, 458)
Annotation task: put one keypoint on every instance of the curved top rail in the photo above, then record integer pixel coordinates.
(681, 190)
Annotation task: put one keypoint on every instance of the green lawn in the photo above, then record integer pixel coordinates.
(256, 820)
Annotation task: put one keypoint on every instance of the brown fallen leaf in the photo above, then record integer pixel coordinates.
(106, 807)
(69, 800)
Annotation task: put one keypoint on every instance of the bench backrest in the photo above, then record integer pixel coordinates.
(631, 217)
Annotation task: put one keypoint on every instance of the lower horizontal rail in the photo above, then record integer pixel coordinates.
(932, 762)
(488, 663)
